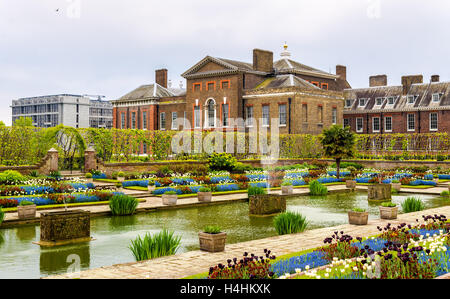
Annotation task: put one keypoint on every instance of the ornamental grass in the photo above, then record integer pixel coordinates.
(152, 246)
(123, 205)
(316, 188)
(413, 204)
(290, 223)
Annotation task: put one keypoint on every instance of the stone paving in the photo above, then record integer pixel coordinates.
(195, 262)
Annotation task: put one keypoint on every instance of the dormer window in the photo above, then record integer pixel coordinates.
(348, 103)
(436, 97)
(411, 99)
(378, 101)
(391, 100)
(362, 102)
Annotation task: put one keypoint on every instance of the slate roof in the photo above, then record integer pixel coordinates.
(281, 81)
(422, 94)
(289, 66)
(151, 92)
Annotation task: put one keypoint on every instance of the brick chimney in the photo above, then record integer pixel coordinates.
(407, 81)
(161, 77)
(341, 71)
(262, 60)
(379, 80)
(435, 78)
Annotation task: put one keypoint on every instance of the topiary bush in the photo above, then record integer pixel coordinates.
(316, 188)
(413, 204)
(123, 205)
(221, 161)
(152, 246)
(11, 177)
(290, 223)
(254, 190)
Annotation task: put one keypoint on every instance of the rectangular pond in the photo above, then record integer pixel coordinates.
(19, 258)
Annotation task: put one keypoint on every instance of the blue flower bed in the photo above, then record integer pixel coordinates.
(220, 179)
(342, 173)
(297, 182)
(444, 176)
(182, 181)
(328, 180)
(428, 177)
(227, 187)
(142, 183)
(257, 177)
(376, 244)
(422, 182)
(259, 184)
(363, 180)
(79, 198)
(161, 191)
(79, 186)
(30, 190)
(99, 176)
(312, 259)
(424, 232)
(296, 175)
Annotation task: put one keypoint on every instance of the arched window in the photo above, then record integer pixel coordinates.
(210, 113)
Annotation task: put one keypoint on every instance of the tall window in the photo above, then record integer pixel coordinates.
(375, 124)
(346, 122)
(265, 115)
(197, 123)
(144, 120)
(334, 116)
(411, 122)
(174, 121)
(133, 120)
(359, 124)
(162, 121)
(249, 116)
(211, 113)
(433, 121)
(225, 110)
(388, 124)
(320, 114)
(305, 113)
(282, 114)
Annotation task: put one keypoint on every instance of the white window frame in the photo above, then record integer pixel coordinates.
(174, 122)
(144, 120)
(227, 115)
(281, 124)
(346, 120)
(391, 98)
(362, 125)
(350, 102)
(162, 116)
(359, 102)
(385, 122)
(376, 101)
(133, 120)
(373, 124)
(438, 96)
(197, 117)
(334, 116)
(409, 97)
(122, 121)
(249, 120)
(407, 122)
(437, 121)
(207, 125)
(264, 123)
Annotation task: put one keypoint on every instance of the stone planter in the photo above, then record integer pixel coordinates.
(266, 204)
(151, 188)
(204, 196)
(89, 180)
(26, 212)
(358, 218)
(212, 242)
(388, 212)
(350, 184)
(379, 192)
(285, 190)
(396, 186)
(120, 179)
(169, 199)
(65, 227)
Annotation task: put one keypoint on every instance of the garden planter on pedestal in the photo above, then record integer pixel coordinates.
(151, 188)
(388, 212)
(287, 190)
(120, 179)
(204, 196)
(65, 227)
(379, 192)
(212, 242)
(169, 199)
(396, 186)
(89, 180)
(358, 218)
(350, 184)
(26, 212)
(266, 204)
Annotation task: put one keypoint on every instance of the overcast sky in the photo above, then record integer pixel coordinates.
(110, 47)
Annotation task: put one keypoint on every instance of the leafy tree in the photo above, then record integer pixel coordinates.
(23, 122)
(338, 143)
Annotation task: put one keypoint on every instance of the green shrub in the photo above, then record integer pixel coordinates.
(359, 210)
(254, 190)
(357, 166)
(204, 189)
(2, 215)
(412, 204)
(152, 246)
(290, 223)
(25, 203)
(221, 161)
(123, 204)
(440, 158)
(388, 204)
(88, 175)
(120, 174)
(212, 229)
(241, 168)
(11, 177)
(316, 188)
(286, 183)
(170, 193)
(34, 174)
(55, 174)
(394, 191)
(445, 194)
(118, 185)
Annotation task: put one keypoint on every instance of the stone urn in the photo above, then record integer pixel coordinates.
(120, 179)
(212, 242)
(358, 218)
(389, 213)
(26, 212)
(396, 186)
(285, 190)
(151, 188)
(169, 199)
(204, 196)
(350, 184)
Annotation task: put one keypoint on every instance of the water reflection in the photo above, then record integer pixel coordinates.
(26, 233)
(119, 222)
(63, 259)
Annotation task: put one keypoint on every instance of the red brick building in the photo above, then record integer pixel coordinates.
(302, 98)
(413, 107)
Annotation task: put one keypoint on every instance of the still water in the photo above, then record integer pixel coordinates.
(20, 258)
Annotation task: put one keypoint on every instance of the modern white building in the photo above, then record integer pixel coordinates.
(78, 111)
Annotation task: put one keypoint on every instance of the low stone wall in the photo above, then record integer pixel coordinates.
(48, 164)
(267, 204)
(65, 225)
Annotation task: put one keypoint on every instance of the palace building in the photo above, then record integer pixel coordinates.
(302, 98)
(413, 107)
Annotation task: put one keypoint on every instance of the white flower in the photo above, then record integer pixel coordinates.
(355, 268)
(298, 270)
(307, 267)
